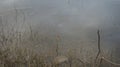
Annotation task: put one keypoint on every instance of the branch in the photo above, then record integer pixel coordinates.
(99, 48)
(110, 61)
(81, 62)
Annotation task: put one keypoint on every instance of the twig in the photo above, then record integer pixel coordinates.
(99, 48)
(110, 61)
(57, 45)
(100, 62)
(81, 62)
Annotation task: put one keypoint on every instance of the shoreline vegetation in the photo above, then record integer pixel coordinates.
(28, 48)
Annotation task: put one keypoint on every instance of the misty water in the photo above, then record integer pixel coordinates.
(75, 21)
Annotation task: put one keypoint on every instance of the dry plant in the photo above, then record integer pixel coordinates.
(25, 49)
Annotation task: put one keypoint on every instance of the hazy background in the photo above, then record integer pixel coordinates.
(73, 19)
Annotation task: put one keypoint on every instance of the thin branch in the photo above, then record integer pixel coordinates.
(110, 61)
(100, 62)
(81, 62)
(57, 45)
(99, 47)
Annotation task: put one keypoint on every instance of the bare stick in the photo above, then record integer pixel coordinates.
(57, 45)
(81, 62)
(110, 62)
(99, 48)
(100, 62)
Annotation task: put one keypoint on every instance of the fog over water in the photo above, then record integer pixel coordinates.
(79, 19)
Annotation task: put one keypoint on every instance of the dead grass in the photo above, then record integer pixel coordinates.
(20, 49)
(17, 51)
